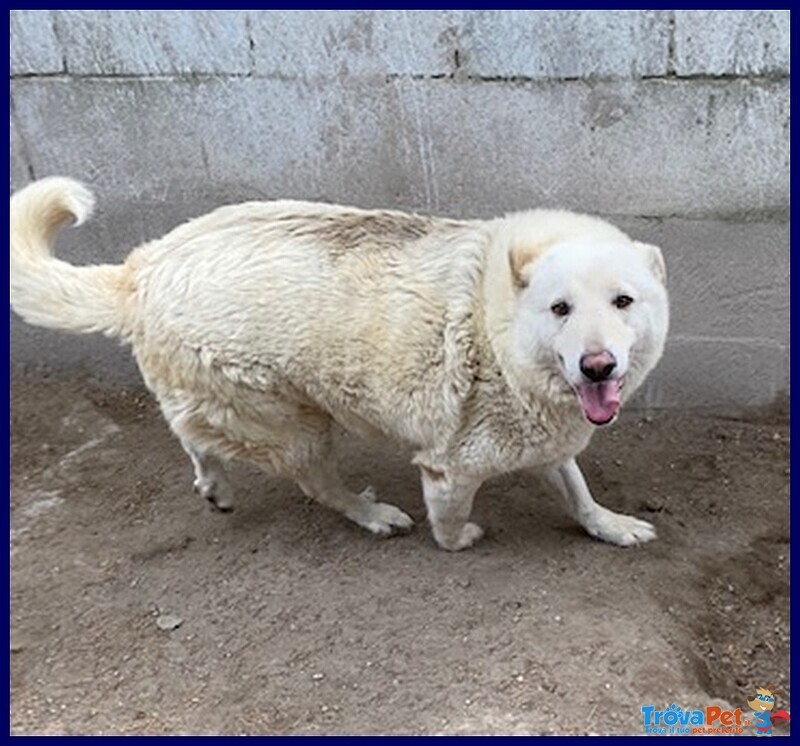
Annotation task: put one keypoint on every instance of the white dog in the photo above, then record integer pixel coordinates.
(487, 346)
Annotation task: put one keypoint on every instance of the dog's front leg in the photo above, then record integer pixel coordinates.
(600, 522)
(448, 499)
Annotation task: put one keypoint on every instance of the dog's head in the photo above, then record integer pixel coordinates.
(590, 315)
(764, 699)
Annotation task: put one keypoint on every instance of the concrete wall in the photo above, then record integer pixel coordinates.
(675, 124)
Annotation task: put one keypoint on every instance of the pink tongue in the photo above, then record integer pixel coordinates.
(600, 401)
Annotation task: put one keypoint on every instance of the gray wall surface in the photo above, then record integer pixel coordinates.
(673, 124)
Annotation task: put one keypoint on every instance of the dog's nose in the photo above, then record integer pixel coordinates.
(598, 366)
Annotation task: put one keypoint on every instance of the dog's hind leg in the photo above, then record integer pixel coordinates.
(449, 503)
(600, 522)
(204, 444)
(284, 437)
(302, 450)
(321, 481)
(211, 481)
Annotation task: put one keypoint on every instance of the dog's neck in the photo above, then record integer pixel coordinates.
(530, 388)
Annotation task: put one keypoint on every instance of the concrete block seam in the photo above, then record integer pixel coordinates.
(457, 75)
(458, 33)
(748, 341)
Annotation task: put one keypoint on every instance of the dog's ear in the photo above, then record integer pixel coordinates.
(516, 265)
(655, 259)
(521, 257)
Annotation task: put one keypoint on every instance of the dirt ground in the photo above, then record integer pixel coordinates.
(137, 609)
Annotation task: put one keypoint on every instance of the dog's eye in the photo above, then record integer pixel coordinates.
(623, 301)
(561, 308)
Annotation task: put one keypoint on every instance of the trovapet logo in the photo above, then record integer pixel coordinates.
(762, 706)
(709, 720)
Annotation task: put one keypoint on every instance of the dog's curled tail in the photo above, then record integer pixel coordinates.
(47, 291)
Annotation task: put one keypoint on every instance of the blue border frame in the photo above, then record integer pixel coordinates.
(794, 401)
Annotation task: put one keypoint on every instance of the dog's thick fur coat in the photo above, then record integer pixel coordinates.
(259, 325)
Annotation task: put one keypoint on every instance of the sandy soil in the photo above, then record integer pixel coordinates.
(137, 609)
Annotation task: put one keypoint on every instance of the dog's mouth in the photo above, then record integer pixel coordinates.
(600, 400)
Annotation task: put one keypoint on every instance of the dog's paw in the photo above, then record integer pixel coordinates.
(617, 528)
(380, 518)
(469, 534)
(219, 495)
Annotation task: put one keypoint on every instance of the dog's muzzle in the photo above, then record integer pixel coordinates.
(599, 392)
